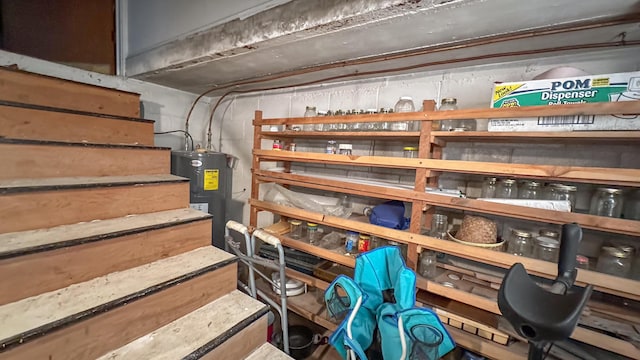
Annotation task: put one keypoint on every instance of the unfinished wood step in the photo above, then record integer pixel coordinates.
(41, 159)
(69, 254)
(268, 351)
(86, 320)
(229, 328)
(28, 204)
(30, 88)
(24, 121)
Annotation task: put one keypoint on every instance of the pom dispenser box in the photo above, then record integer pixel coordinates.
(575, 90)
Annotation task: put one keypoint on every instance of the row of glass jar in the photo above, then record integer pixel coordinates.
(604, 202)
(354, 242)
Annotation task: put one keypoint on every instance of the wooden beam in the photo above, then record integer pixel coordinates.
(615, 176)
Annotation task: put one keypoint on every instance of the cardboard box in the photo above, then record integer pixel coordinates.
(576, 90)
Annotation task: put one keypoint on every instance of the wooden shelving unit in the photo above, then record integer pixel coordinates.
(428, 166)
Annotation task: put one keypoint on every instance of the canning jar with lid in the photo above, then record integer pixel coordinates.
(563, 192)
(519, 243)
(489, 187)
(607, 202)
(547, 249)
(313, 234)
(614, 261)
(529, 190)
(405, 104)
(507, 189)
(549, 233)
(295, 229)
(309, 112)
(410, 152)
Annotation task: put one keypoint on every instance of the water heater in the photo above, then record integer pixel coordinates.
(210, 175)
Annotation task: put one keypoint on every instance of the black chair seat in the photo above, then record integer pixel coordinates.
(535, 313)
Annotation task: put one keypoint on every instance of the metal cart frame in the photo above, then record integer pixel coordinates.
(250, 259)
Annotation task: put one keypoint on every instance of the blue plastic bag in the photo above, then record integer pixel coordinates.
(390, 215)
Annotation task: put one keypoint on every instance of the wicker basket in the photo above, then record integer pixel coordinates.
(477, 229)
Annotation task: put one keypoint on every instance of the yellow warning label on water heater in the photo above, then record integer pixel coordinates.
(211, 179)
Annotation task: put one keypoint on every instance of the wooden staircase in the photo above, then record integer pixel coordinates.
(100, 254)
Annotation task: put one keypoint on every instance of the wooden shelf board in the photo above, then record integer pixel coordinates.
(553, 137)
(490, 349)
(602, 282)
(599, 223)
(623, 107)
(598, 175)
(366, 135)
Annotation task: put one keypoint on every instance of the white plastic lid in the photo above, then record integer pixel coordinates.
(406, 98)
(345, 147)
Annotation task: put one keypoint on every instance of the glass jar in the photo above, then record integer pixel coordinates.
(410, 152)
(403, 248)
(376, 242)
(582, 262)
(563, 192)
(428, 264)
(313, 234)
(439, 226)
(549, 233)
(519, 243)
(309, 112)
(632, 206)
(489, 187)
(351, 241)
(529, 190)
(405, 104)
(614, 261)
(507, 189)
(295, 229)
(345, 149)
(332, 147)
(385, 125)
(330, 127)
(277, 145)
(547, 249)
(607, 202)
(364, 243)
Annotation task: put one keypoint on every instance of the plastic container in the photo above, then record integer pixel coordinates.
(277, 145)
(410, 152)
(607, 202)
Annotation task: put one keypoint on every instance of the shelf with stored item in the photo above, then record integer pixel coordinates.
(428, 166)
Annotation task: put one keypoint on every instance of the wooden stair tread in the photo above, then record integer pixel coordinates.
(37, 314)
(6, 140)
(268, 351)
(72, 111)
(76, 182)
(30, 241)
(196, 333)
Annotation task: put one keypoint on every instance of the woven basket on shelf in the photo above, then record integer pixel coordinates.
(477, 229)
